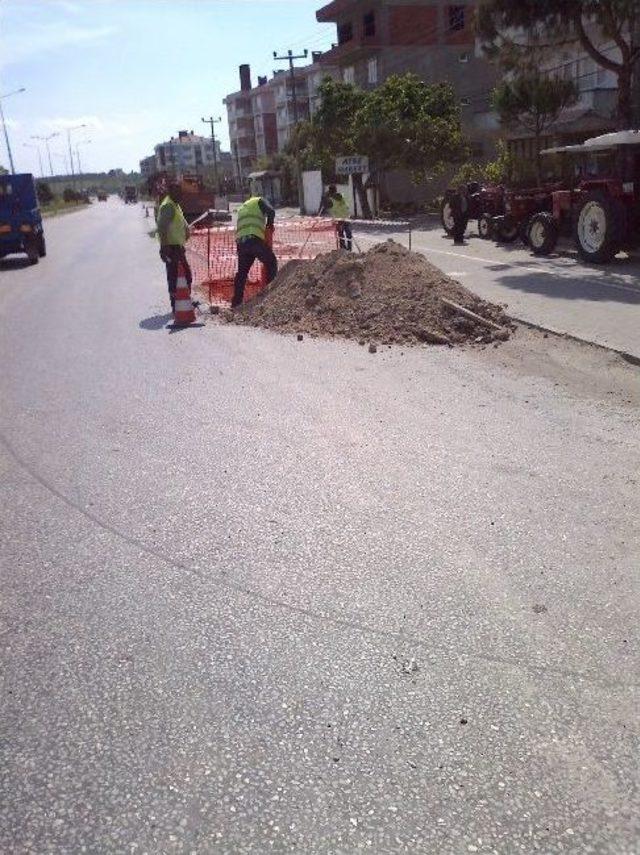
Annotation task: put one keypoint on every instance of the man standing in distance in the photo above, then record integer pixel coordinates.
(253, 237)
(335, 205)
(173, 233)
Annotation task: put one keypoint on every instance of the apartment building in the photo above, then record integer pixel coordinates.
(434, 39)
(261, 117)
(595, 111)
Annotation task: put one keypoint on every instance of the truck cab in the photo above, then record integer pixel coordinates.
(130, 194)
(20, 219)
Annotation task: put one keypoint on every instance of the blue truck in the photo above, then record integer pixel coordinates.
(20, 218)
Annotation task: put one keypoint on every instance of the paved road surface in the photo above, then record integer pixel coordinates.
(261, 595)
(598, 304)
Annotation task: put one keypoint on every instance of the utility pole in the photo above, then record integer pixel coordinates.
(213, 122)
(45, 140)
(4, 125)
(290, 58)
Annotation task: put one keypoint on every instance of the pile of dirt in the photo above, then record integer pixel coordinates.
(387, 295)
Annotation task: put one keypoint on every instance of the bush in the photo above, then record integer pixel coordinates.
(71, 195)
(44, 193)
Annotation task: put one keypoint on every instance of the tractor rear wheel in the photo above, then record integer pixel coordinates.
(599, 228)
(542, 234)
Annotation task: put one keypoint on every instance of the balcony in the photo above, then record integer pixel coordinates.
(359, 47)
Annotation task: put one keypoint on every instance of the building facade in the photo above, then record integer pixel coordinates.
(434, 39)
(592, 115)
(186, 153)
(262, 117)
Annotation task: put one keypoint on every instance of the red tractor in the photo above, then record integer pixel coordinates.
(602, 211)
(483, 204)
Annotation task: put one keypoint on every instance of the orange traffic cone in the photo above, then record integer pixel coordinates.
(184, 313)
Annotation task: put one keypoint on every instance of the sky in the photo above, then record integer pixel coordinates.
(134, 71)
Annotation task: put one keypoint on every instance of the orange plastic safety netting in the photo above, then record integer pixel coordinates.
(214, 262)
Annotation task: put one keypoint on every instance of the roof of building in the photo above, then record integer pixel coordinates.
(599, 143)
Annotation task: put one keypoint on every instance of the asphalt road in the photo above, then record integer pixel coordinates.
(600, 304)
(264, 596)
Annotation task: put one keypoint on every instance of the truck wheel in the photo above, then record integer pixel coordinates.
(32, 249)
(42, 247)
(485, 226)
(446, 215)
(507, 231)
(599, 228)
(542, 234)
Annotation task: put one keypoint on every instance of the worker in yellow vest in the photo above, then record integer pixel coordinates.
(173, 234)
(255, 221)
(335, 205)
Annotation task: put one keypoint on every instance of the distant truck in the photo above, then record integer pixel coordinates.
(197, 198)
(130, 194)
(20, 218)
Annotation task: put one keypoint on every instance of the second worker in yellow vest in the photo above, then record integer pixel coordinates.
(255, 221)
(335, 205)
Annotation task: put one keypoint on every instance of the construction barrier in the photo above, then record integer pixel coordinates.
(214, 261)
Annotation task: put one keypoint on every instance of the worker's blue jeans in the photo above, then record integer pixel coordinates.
(173, 254)
(345, 234)
(249, 250)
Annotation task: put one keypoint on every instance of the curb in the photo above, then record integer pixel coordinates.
(628, 357)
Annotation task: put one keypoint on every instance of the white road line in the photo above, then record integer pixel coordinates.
(526, 269)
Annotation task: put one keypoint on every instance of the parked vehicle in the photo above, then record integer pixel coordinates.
(483, 204)
(197, 198)
(602, 211)
(519, 208)
(21, 227)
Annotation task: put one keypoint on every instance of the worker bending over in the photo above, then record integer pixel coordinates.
(255, 219)
(335, 206)
(173, 233)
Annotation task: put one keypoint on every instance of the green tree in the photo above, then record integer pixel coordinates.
(509, 28)
(403, 124)
(533, 103)
(408, 124)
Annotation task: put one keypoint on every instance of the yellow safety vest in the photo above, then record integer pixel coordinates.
(177, 231)
(339, 209)
(251, 220)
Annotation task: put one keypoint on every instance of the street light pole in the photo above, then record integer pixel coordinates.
(4, 125)
(45, 140)
(83, 142)
(74, 128)
(213, 122)
(37, 148)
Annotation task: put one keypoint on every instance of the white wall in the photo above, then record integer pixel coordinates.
(312, 191)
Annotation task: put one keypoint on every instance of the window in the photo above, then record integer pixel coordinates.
(349, 74)
(372, 71)
(464, 102)
(345, 33)
(369, 24)
(456, 18)
(464, 57)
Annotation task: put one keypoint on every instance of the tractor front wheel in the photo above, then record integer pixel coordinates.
(542, 234)
(485, 226)
(507, 230)
(598, 228)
